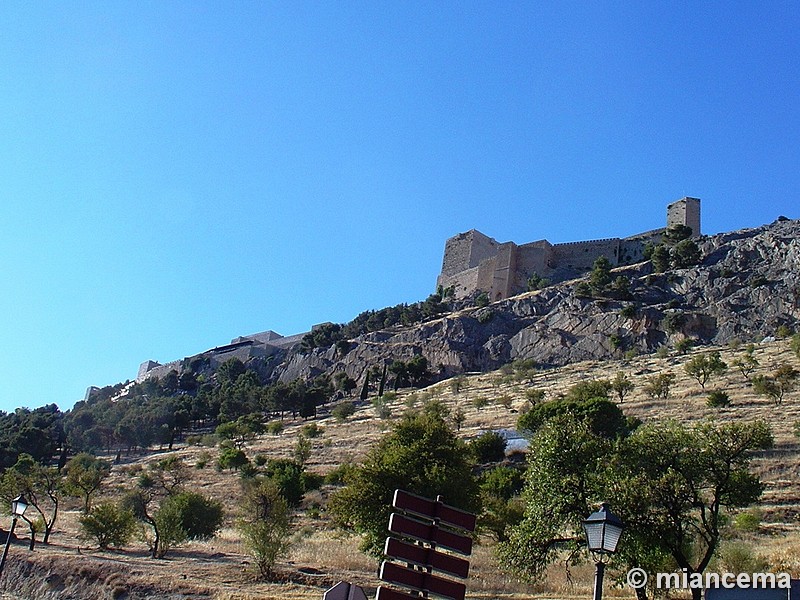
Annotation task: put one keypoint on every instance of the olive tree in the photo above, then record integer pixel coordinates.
(671, 484)
(421, 455)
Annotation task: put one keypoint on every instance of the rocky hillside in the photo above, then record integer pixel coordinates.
(746, 286)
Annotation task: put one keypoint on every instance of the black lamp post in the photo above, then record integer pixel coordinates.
(18, 507)
(603, 529)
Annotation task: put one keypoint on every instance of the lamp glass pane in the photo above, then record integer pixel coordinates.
(19, 506)
(594, 535)
(611, 538)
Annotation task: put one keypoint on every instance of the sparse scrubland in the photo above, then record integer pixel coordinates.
(314, 553)
(273, 478)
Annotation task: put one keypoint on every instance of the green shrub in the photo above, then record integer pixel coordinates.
(488, 447)
(502, 482)
(795, 344)
(381, 407)
(583, 290)
(200, 516)
(274, 427)
(343, 411)
(480, 402)
(202, 460)
(630, 354)
(482, 300)
(265, 525)
(673, 321)
(108, 524)
(312, 481)
(288, 476)
(232, 458)
(312, 430)
(338, 475)
(683, 346)
(484, 315)
(603, 416)
(659, 386)
(738, 557)
(748, 521)
(628, 311)
(718, 399)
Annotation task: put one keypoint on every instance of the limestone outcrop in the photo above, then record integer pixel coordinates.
(746, 287)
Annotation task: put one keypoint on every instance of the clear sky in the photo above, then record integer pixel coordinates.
(175, 174)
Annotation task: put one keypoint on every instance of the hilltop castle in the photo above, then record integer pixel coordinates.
(474, 262)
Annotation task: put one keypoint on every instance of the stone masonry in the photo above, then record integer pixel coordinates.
(474, 262)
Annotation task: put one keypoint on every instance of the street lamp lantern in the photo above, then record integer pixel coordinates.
(19, 505)
(603, 530)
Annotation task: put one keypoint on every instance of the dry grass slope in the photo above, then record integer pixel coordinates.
(219, 568)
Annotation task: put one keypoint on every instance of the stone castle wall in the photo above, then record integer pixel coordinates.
(474, 262)
(580, 256)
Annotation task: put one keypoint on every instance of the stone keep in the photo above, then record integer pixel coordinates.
(474, 262)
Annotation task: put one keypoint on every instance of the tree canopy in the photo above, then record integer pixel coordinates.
(421, 455)
(669, 483)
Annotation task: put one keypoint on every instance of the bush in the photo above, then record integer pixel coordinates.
(795, 344)
(338, 475)
(488, 447)
(603, 416)
(685, 254)
(266, 525)
(312, 430)
(200, 516)
(482, 300)
(480, 402)
(658, 386)
(274, 427)
(232, 458)
(704, 366)
(673, 322)
(484, 315)
(748, 521)
(202, 460)
(288, 477)
(583, 290)
(342, 411)
(718, 399)
(738, 557)
(502, 482)
(683, 346)
(168, 528)
(421, 455)
(109, 525)
(382, 408)
(662, 352)
(628, 311)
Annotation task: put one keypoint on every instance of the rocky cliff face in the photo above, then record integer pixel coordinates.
(747, 285)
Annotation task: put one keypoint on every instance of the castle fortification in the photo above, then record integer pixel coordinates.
(474, 262)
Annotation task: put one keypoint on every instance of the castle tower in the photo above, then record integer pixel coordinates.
(685, 211)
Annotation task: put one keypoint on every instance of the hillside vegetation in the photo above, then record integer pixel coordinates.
(188, 462)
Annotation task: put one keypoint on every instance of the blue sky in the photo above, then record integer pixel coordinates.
(175, 174)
